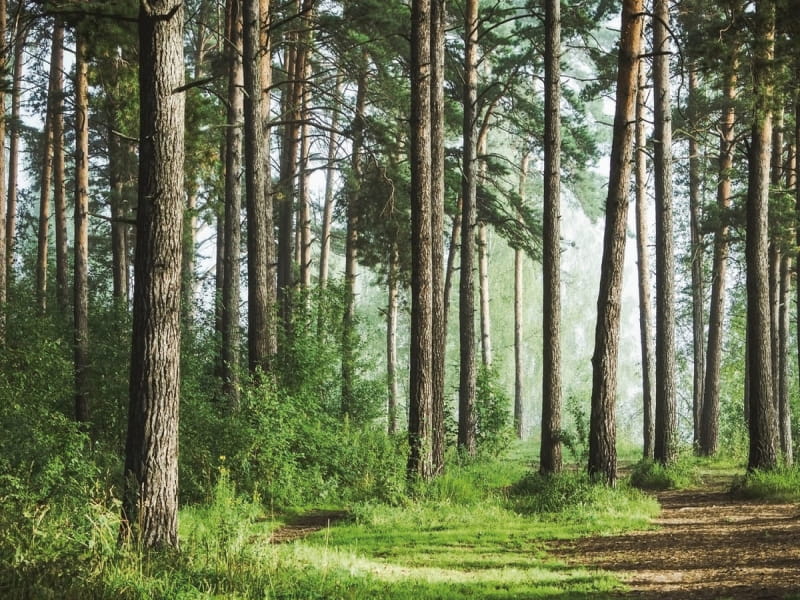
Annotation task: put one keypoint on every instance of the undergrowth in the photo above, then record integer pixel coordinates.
(780, 485)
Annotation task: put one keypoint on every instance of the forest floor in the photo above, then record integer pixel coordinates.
(708, 545)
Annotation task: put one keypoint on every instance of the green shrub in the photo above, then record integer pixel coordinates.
(779, 485)
(650, 475)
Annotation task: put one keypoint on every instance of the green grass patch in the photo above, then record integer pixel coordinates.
(779, 485)
(650, 475)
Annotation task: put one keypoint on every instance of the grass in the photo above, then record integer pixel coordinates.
(481, 531)
(780, 485)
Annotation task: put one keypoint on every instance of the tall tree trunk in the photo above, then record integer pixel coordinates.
(349, 339)
(54, 88)
(602, 427)
(233, 203)
(3, 239)
(775, 258)
(260, 294)
(119, 231)
(59, 188)
(81, 235)
(709, 426)
(452, 254)
(20, 36)
(696, 253)
(466, 392)
(483, 293)
(550, 453)
(762, 453)
(150, 502)
(439, 350)
(643, 272)
(666, 441)
(784, 409)
(304, 213)
(420, 460)
(330, 171)
(391, 340)
(519, 417)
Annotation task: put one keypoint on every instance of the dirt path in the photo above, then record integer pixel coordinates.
(708, 545)
(306, 524)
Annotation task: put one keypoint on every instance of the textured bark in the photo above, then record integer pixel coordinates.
(81, 233)
(519, 416)
(420, 434)
(666, 440)
(349, 340)
(54, 88)
(643, 273)
(150, 502)
(775, 258)
(20, 34)
(330, 171)
(233, 203)
(391, 341)
(550, 452)
(762, 454)
(3, 272)
(602, 428)
(466, 392)
(696, 253)
(60, 193)
(439, 349)
(304, 211)
(709, 425)
(260, 293)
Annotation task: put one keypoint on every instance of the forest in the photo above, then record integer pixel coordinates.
(320, 299)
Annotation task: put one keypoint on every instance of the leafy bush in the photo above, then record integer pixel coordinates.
(650, 475)
(494, 433)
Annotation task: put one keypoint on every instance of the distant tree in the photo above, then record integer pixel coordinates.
(150, 501)
(602, 427)
(3, 128)
(19, 35)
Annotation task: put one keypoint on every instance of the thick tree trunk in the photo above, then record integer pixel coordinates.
(696, 253)
(762, 453)
(709, 426)
(233, 203)
(150, 502)
(260, 293)
(20, 36)
(420, 426)
(519, 367)
(439, 349)
(391, 341)
(81, 234)
(643, 273)
(602, 428)
(550, 452)
(666, 440)
(466, 392)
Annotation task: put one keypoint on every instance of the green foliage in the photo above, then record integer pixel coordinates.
(576, 437)
(780, 485)
(493, 418)
(650, 475)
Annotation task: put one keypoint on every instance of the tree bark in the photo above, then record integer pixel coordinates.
(666, 439)
(20, 34)
(3, 239)
(81, 234)
(117, 157)
(709, 426)
(602, 428)
(519, 416)
(59, 189)
(439, 350)
(550, 452)
(260, 294)
(784, 402)
(697, 256)
(150, 502)
(420, 433)
(643, 272)
(233, 203)
(391, 341)
(330, 171)
(466, 392)
(762, 454)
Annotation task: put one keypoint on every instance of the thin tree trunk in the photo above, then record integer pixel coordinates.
(20, 36)
(666, 440)
(696, 253)
(391, 341)
(420, 433)
(233, 204)
(487, 356)
(467, 389)
(762, 453)
(330, 171)
(305, 197)
(59, 188)
(602, 427)
(150, 502)
(119, 230)
(260, 294)
(784, 403)
(3, 239)
(775, 259)
(439, 350)
(452, 254)
(81, 235)
(550, 452)
(709, 426)
(643, 272)
(519, 417)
